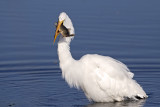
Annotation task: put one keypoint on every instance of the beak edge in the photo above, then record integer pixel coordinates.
(57, 30)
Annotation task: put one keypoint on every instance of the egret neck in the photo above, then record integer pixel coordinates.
(64, 53)
(72, 76)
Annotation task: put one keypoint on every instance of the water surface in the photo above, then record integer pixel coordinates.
(29, 72)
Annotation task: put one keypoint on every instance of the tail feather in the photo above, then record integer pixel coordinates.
(138, 96)
(136, 91)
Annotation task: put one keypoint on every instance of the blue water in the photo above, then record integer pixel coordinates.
(29, 72)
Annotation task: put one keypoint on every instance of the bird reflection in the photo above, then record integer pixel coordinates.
(138, 103)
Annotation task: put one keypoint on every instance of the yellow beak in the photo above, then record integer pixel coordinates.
(57, 30)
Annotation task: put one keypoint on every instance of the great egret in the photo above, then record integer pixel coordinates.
(102, 78)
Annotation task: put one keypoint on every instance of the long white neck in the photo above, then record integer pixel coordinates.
(68, 65)
(64, 54)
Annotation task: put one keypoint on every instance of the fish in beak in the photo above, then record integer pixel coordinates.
(60, 28)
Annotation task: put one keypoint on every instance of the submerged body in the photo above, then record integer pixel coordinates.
(102, 78)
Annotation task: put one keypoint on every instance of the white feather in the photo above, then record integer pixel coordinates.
(67, 22)
(102, 78)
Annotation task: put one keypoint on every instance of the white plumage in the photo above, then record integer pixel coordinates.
(102, 78)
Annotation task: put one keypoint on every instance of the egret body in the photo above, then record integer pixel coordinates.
(102, 78)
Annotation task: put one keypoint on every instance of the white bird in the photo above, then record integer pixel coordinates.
(102, 78)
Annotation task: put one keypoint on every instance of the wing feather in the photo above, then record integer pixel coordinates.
(113, 68)
(112, 77)
(108, 71)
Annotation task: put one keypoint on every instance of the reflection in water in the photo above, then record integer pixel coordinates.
(138, 103)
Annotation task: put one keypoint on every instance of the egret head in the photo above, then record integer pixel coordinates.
(62, 16)
(64, 26)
